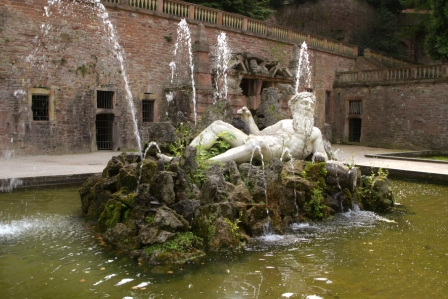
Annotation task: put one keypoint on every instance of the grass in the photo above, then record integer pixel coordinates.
(438, 158)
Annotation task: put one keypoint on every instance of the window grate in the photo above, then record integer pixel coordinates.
(104, 99)
(355, 107)
(147, 111)
(39, 106)
(104, 129)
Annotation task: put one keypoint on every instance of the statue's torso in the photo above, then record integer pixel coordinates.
(298, 143)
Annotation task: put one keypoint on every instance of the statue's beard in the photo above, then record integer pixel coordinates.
(303, 122)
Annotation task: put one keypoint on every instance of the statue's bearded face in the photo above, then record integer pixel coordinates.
(302, 109)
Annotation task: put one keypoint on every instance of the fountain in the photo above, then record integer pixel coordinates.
(257, 147)
(287, 151)
(303, 71)
(222, 56)
(182, 66)
(47, 250)
(152, 143)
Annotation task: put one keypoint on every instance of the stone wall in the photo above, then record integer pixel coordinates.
(403, 116)
(70, 55)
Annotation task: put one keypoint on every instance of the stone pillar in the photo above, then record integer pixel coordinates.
(202, 71)
(201, 59)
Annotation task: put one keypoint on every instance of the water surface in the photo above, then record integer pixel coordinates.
(47, 251)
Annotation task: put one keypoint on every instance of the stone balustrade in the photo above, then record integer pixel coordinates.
(245, 25)
(409, 73)
(385, 59)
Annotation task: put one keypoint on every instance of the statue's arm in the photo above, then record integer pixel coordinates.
(246, 116)
(320, 155)
(278, 126)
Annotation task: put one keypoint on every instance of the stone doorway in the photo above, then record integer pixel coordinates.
(354, 130)
(104, 131)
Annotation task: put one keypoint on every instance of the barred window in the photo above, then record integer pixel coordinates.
(104, 99)
(355, 107)
(40, 107)
(147, 111)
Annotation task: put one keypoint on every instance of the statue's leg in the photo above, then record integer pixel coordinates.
(207, 138)
(238, 154)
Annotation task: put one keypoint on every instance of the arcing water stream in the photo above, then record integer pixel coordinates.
(222, 56)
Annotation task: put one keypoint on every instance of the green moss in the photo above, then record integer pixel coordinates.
(82, 69)
(204, 225)
(127, 179)
(181, 243)
(315, 172)
(148, 170)
(111, 214)
(124, 197)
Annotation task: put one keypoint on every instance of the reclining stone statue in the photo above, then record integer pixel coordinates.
(296, 135)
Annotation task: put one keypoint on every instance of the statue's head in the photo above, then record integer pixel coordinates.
(253, 63)
(302, 109)
(302, 102)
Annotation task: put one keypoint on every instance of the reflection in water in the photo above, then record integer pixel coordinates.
(47, 250)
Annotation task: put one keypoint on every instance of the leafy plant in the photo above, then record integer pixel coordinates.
(183, 134)
(315, 208)
(149, 218)
(369, 194)
(220, 146)
(234, 228)
(436, 42)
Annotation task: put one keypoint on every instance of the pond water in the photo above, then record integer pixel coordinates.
(46, 251)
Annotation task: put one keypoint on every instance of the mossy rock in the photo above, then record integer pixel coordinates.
(147, 171)
(127, 178)
(111, 214)
(122, 236)
(164, 257)
(124, 197)
(87, 192)
(315, 172)
(183, 247)
(292, 176)
(375, 195)
(113, 167)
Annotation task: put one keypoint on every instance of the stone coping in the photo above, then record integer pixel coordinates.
(412, 156)
(423, 177)
(9, 185)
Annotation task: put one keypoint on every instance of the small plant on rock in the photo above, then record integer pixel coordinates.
(315, 207)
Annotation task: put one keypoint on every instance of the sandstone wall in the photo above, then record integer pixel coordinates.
(70, 54)
(403, 116)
